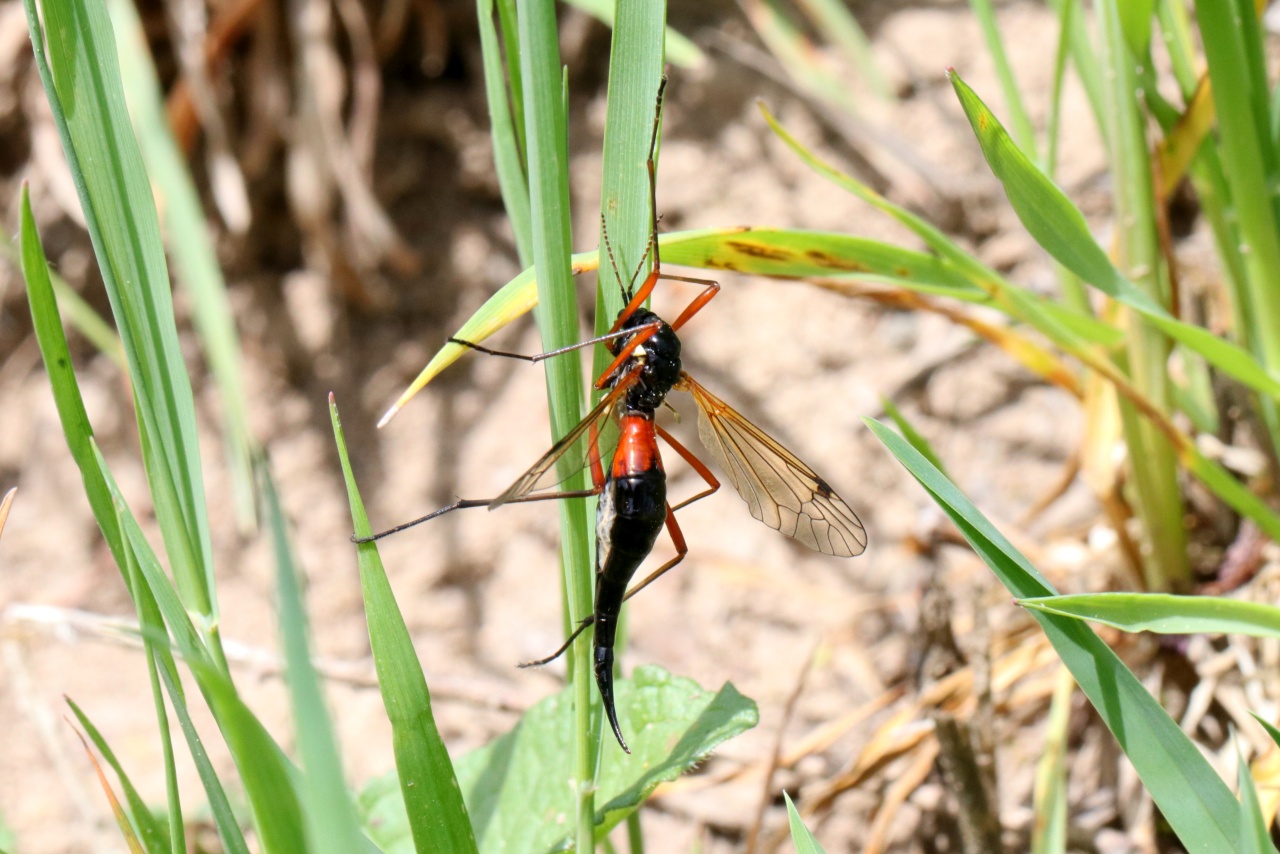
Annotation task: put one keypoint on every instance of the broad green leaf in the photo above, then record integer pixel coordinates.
(438, 818)
(511, 785)
(801, 837)
(1164, 613)
(1059, 227)
(1199, 807)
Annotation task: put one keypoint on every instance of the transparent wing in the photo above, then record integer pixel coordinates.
(781, 491)
(577, 444)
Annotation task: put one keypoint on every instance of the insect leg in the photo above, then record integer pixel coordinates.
(696, 464)
(538, 357)
(465, 503)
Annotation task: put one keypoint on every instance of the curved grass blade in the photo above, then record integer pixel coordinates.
(1062, 324)
(1164, 613)
(1199, 807)
(1059, 227)
(437, 816)
(766, 251)
(150, 832)
(121, 817)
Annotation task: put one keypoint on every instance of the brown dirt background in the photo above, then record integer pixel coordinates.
(481, 592)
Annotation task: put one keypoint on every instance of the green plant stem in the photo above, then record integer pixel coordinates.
(557, 315)
(1156, 495)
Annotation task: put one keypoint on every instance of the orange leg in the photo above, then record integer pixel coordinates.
(696, 464)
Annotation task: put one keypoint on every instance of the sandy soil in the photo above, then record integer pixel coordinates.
(480, 592)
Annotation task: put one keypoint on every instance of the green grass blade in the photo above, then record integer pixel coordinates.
(189, 244)
(1199, 807)
(679, 50)
(150, 832)
(801, 837)
(1023, 135)
(62, 380)
(507, 159)
(157, 601)
(330, 815)
(1049, 832)
(1165, 614)
(438, 818)
(912, 435)
(833, 19)
(82, 82)
(1237, 74)
(1257, 835)
(635, 68)
(1060, 228)
(546, 131)
(782, 253)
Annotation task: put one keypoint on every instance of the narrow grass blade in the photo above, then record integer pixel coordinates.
(62, 380)
(833, 19)
(546, 99)
(79, 315)
(189, 244)
(1165, 614)
(81, 70)
(1049, 831)
(801, 837)
(783, 253)
(1257, 834)
(912, 435)
(1023, 135)
(330, 816)
(121, 817)
(150, 832)
(679, 50)
(437, 817)
(1199, 807)
(1061, 324)
(1060, 228)
(507, 159)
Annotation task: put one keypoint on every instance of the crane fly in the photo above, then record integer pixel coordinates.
(780, 490)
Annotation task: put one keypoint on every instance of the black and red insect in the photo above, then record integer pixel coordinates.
(779, 488)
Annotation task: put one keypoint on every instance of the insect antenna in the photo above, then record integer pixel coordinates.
(613, 262)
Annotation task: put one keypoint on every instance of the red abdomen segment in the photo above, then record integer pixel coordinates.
(637, 447)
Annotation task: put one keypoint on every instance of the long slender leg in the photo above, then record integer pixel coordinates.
(682, 549)
(538, 357)
(466, 503)
(696, 464)
(712, 288)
